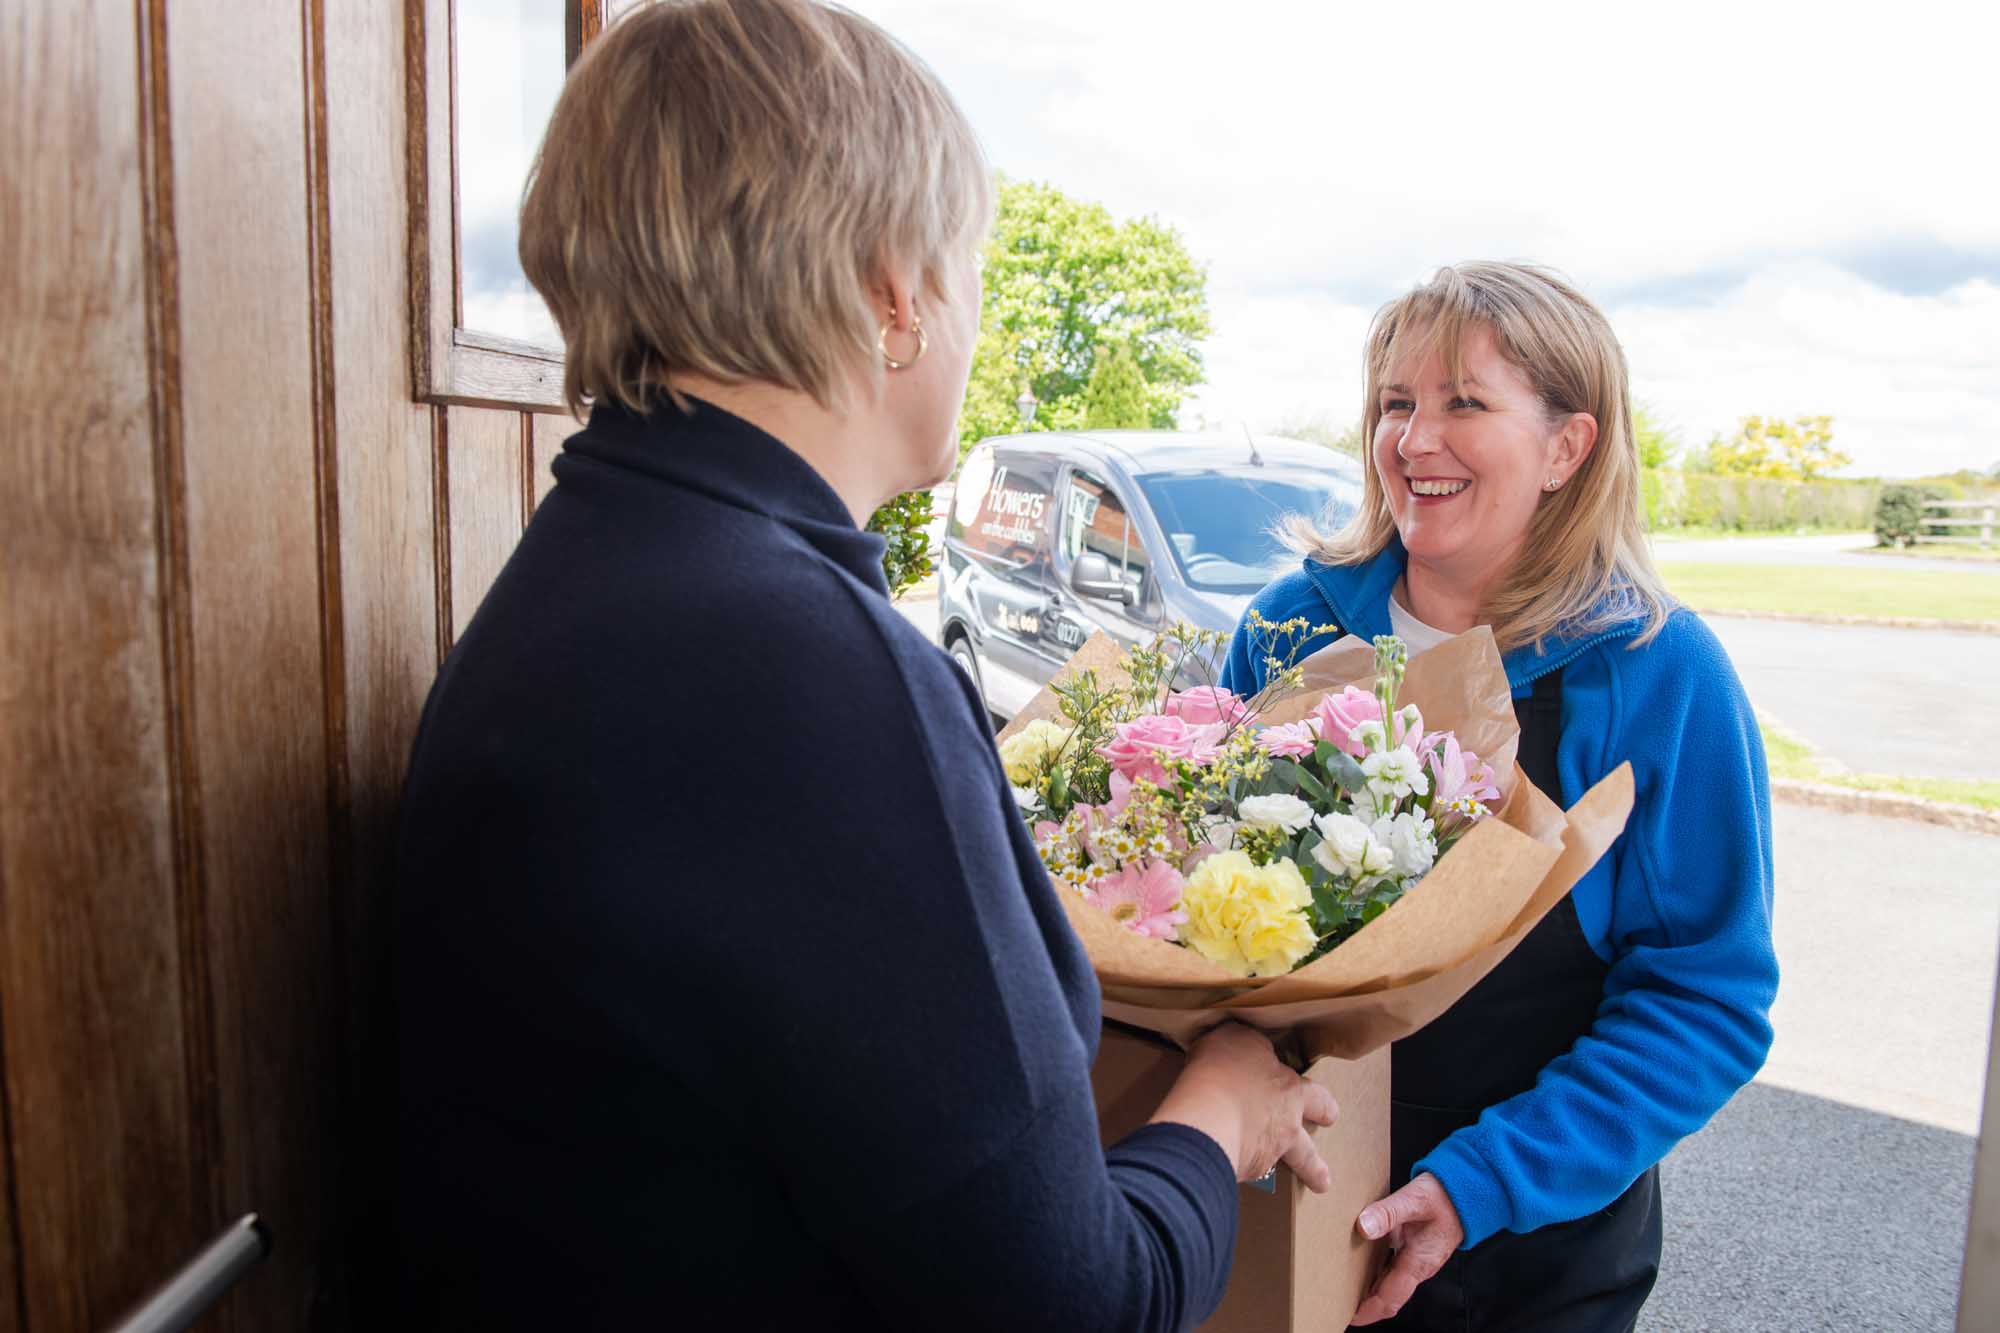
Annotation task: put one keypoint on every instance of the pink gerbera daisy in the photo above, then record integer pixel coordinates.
(1144, 898)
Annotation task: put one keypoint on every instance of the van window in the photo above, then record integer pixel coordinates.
(1002, 506)
(1094, 519)
(1223, 527)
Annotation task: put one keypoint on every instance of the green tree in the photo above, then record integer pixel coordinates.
(1115, 398)
(1797, 450)
(1065, 283)
(1656, 442)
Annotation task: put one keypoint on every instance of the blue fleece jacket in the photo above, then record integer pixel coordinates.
(1680, 907)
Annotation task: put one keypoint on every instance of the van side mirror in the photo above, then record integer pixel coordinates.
(1093, 576)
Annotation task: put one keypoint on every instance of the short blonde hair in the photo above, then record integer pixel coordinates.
(1585, 563)
(721, 183)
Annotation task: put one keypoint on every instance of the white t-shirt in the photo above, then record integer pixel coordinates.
(1413, 632)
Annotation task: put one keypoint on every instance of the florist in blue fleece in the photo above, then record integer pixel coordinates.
(1529, 1119)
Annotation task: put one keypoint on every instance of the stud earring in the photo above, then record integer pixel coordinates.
(1552, 484)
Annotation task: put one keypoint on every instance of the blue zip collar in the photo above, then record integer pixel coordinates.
(1358, 596)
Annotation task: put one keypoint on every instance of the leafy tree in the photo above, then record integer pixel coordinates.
(1115, 398)
(1065, 284)
(1797, 450)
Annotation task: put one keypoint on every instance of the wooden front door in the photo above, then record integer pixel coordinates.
(233, 546)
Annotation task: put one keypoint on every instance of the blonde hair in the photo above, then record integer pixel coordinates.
(1584, 564)
(721, 183)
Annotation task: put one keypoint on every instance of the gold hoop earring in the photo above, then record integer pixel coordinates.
(882, 344)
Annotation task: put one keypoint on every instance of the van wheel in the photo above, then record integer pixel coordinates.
(968, 662)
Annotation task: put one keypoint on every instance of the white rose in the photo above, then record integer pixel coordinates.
(1412, 839)
(1275, 812)
(1395, 774)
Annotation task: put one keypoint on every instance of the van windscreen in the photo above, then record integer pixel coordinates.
(1220, 526)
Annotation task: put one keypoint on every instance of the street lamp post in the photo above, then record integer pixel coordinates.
(1026, 405)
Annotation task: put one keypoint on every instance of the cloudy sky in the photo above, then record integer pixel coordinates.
(1783, 209)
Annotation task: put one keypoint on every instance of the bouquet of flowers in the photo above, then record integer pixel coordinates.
(1336, 859)
(1260, 846)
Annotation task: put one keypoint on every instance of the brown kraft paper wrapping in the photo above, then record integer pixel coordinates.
(1338, 1014)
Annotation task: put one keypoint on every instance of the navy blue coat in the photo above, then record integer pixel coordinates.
(729, 985)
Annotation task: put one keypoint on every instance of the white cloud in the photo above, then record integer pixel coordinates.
(1717, 175)
(1912, 382)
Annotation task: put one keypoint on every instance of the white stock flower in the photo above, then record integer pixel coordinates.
(1349, 848)
(1025, 797)
(1413, 723)
(1396, 773)
(1219, 832)
(1413, 840)
(1370, 736)
(1282, 811)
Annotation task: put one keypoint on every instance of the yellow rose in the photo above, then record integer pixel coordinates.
(1026, 754)
(1249, 918)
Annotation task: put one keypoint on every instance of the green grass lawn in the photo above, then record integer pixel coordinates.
(1920, 594)
(1790, 757)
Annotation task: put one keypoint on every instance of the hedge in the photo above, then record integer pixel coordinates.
(1676, 499)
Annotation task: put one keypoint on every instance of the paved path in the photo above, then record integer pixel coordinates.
(1833, 1193)
(1844, 550)
(1792, 1212)
(1912, 701)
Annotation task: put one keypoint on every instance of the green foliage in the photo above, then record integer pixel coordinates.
(906, 561)
(1065, 284)
(1899, 514)
(1688, 499)
(1115, 398)
(1656, 443)
(1797, 450)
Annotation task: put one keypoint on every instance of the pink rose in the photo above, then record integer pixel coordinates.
(1291, 740)
(1140, 748)
(1208, 703)
(1339, 714)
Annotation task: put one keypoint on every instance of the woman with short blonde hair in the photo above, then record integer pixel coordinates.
(733, 992)
(1528, 1120)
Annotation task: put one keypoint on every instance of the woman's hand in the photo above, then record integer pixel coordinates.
(1423, 1227)
(1235, 1091)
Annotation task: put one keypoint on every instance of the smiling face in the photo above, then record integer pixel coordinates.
(1464, 464)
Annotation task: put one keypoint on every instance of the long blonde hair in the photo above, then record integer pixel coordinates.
(1584, 564)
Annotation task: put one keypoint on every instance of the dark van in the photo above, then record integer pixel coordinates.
(1054, 536)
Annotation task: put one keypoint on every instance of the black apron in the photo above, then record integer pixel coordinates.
(1590, 1275)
